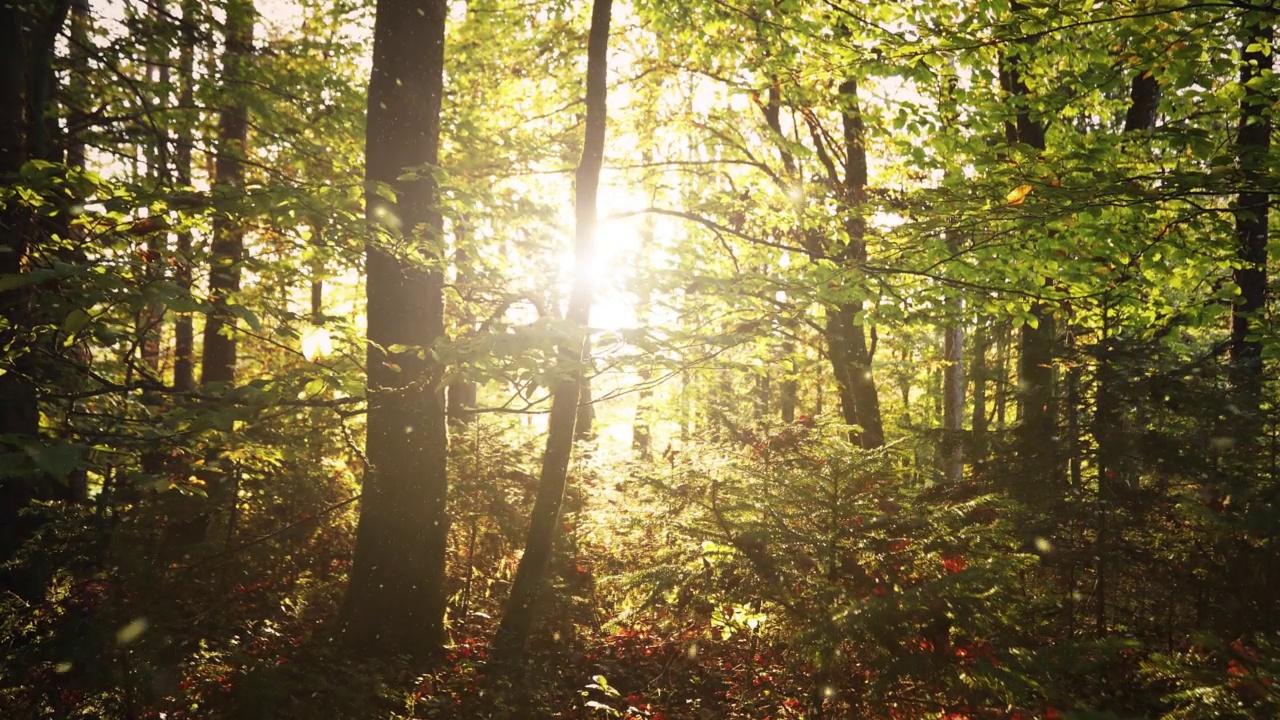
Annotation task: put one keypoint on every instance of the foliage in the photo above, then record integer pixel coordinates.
(178, 549)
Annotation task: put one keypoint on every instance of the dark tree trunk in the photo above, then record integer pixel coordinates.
(789, 389)
(1038, 422)
(218, 363)
(27, 35)
(1253, 142)
(1108, 432)
(317, 275)
(396, 599)
(846, 340)
(150, 323)
(184, 373)
(517, 621)
(218, 366)
(1108, 425)
(81, 20)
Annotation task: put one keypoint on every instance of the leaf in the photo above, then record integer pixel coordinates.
(11, 281)
(1018, 194)
(247, 315)
(76, 321)
(58, 460)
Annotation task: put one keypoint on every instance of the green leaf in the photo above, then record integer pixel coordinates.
(58, 460)
(76, 321)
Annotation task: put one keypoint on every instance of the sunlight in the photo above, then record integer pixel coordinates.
(618, 243)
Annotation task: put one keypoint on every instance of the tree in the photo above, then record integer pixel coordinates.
(1038, 406)
(521, 607)
(1253, 142)
(27, 37)
(395, 602)
(218, 366)
(184, 375)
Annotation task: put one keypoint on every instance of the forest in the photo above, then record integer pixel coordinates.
(638, 359)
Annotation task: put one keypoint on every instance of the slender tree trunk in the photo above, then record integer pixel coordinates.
(396, 599)
(517, 621)
(1253, 143)
(641, 434)
(150, 324)
(1108, 426)
(81, 20)
(463, 393)
(953, 401)
(1037, 428)
(788, 390)
(218, 366)
(584, 424)
(978, 426)
(184, 375)
(1003, 350)
(686, 405)
(762, 397)
(847, 341)
(317, 274)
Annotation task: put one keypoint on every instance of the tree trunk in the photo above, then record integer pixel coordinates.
(641, 434)
(789, 389)
(857, 355)
(1038, 422)
(395, 602)
(789, 392)
(218, 366)
(462, 393)
(28, 31)
(157, 158)
(184, 374)
(584, 425)
(1003, 350)
(1108, 426)
(978, 426)
(1253, 142)
(953, 402)
(517, 621)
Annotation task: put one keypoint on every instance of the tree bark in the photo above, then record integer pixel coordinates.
(218, 366)
(978, 426)
(28, 31)
(1037, 427)
(846, 340)
(518, 619)
(395, 602)
(953, 401)
(789, 389)
(150, 323)
(1253, 142)
(184, 373)
(462, 392)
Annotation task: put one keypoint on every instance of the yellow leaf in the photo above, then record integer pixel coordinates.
(1018, 194)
